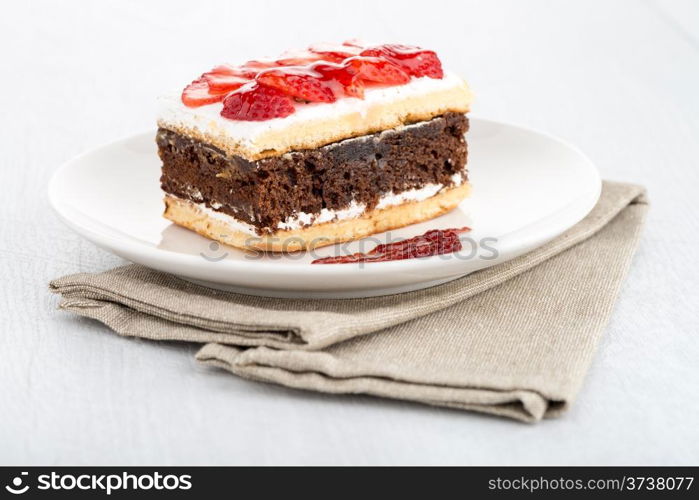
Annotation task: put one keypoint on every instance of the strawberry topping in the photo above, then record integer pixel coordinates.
(243, 71)
(414, 60)
(321, 73)
(197, 94)
(226, 69)
(298, 81)
(375, 69)
(223, 84)
(256, 102)
(342, 78)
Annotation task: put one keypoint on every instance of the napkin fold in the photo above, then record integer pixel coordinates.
(513, 340)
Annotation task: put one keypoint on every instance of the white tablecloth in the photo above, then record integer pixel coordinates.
(618, 79)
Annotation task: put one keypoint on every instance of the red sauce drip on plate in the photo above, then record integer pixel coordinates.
(434, 242)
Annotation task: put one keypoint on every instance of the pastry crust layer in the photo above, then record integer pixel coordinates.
(187, 214)
(321, 130)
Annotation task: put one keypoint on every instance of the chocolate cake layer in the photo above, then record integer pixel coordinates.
(266, 192)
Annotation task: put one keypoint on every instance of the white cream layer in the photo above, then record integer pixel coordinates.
(208, 120)
(355, 210)
(232, 222)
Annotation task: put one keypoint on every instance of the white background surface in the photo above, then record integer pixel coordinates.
(618, 79)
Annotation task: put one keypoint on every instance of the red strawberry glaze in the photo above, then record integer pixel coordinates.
(256, 102)
(197, 94)
(342, 78)
(321, 73)
(375, 69)
(434, 242)
(223, 84)
(414, 60)
(298, 81)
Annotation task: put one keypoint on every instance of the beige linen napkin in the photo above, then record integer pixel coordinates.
(513, 340)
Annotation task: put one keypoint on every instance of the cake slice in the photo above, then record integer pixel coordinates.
(316, 147)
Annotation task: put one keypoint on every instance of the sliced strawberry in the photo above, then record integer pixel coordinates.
(413, 60)
(256, 102)
(197, 94)
(222, 84)
(354, 87)
(342, 79)
(334, 53)
(230, 70)
(297, 58)
(376, 69)
(298, 81)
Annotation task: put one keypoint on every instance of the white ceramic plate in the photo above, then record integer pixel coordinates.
(528, 187)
